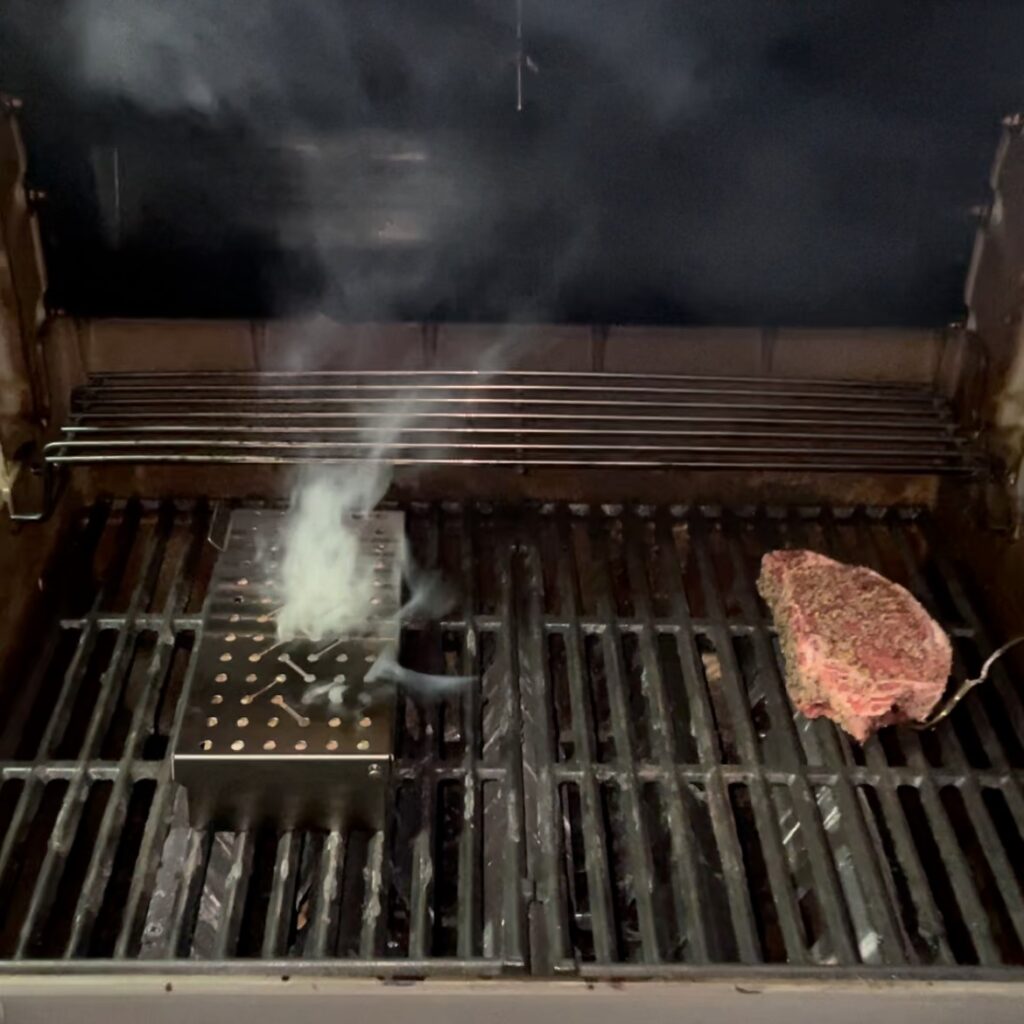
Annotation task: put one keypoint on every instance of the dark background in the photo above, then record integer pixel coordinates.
(730, 161)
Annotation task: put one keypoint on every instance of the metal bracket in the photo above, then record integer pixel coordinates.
(13, 470)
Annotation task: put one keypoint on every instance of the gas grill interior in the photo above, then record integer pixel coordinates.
(624, 790)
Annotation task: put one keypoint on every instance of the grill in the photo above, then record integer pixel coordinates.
(625, 792)
(540, 419)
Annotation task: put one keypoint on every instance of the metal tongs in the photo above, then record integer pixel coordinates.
(965, 687)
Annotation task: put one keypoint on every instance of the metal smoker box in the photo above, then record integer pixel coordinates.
(253, 748)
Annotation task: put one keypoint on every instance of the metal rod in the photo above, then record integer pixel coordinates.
(753, 387)
(514, 862)
(113, 436)
(687, 884)
(68, 819)
(282, 894)
(594, 850)
(381, 448)
(636, 840)
(739, 713)
(124, 420)
(420, 917)
(540, 796)
(325, 902)
(823, 465)
(469, 836)
(704, 731)
(101, 860)
(373, 903)
(232, 904)
(128, 377)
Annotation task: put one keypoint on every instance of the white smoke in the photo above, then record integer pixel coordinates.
(326, 577)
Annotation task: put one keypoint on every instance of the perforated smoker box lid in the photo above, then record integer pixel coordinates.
(288, 731)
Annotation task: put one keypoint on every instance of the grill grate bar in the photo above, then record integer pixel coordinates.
(964, 888)
(771, 840)
(421, 902)
(469, 838)
(101, 862)
(953, 753)
(547, 938)
(321, 934)
(227, 897)
(685, 871)
(514, 866)
(77, 792)
(282, 895)
(31, 794)
(931, 927)
(598, 876)
(423, 873)
(704, 733)
(175, 901)
(373, 917)
(167, 801)
(637, 839)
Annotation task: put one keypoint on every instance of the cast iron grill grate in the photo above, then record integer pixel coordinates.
(626, 792)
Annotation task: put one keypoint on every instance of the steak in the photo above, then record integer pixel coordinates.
(859, 649)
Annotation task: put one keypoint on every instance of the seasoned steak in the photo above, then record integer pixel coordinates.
(859, 648)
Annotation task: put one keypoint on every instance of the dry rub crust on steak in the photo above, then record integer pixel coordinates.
(859, 648)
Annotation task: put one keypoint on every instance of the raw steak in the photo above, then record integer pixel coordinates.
(859, 648)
